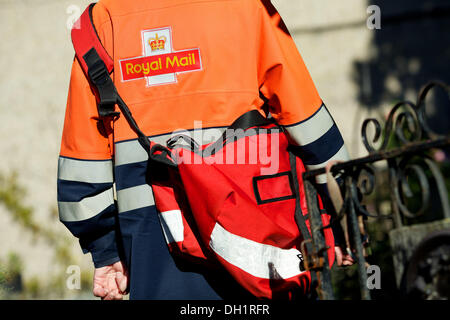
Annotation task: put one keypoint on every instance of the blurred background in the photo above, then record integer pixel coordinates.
(360, 72)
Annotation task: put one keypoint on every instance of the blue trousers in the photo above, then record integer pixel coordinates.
(154, 274)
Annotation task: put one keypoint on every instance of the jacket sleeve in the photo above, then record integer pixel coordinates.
(293, 98)
(85, 174)
(85, 167)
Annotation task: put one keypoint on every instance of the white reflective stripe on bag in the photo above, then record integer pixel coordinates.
(260, 260)
(172, 225)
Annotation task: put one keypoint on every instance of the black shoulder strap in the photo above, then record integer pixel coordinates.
(98, 65)
(95, 61)
(100, 78)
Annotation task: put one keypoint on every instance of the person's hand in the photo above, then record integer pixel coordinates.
(343, 259)
(111, 282)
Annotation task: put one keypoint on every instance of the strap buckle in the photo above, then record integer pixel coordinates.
(99, 76)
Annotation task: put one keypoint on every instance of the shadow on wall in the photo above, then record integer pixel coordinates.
(411, 48)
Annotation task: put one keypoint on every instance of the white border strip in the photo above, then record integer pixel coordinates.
(260, 260)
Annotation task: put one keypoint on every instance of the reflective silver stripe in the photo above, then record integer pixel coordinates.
(132, 152)
(135, 198)
(85, 171)
(260, 260)
(341, 155)
(311, 129)
(172, 225)
(86, 208)
(129, 152)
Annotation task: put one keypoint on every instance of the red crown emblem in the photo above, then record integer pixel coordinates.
(157, 43)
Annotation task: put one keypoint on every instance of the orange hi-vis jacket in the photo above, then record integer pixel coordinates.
(179, 65)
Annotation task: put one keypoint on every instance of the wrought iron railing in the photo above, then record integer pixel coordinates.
(407, 125)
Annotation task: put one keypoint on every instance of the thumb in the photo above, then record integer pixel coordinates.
(121, 281)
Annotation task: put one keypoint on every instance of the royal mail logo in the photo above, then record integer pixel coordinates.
(157, 43)
(160, 63)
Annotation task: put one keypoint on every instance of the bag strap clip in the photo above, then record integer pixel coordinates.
(99, 76)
